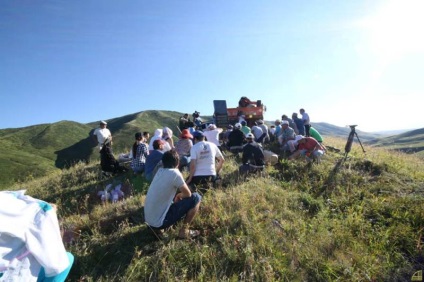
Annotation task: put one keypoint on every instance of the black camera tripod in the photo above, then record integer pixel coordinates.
(348, 146)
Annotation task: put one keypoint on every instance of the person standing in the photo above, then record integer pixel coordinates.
(299, 124)
(306, 121)
(101, 134)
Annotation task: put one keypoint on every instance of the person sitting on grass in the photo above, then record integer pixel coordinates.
(309, 148)
(236, 139)
(253, 158)
(140, 152)
(206, 160)
(183, 147)
(108, 162)
(164, 206)
(154, 159)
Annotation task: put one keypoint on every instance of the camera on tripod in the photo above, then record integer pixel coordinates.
(349, 142)
(352, 127)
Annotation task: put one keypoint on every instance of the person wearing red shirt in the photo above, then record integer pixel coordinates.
(310, 148)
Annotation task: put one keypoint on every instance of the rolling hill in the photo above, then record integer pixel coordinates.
(38, 150)
(408, 142)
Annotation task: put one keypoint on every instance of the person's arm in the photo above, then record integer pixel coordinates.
(94, 136)
(184, 193)
(219, 164)
(192, 170)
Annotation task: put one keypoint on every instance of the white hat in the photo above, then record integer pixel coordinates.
(285, 122)
(212, 126)
(103, 122)
(249, 135)
(298, 137)
(237, 125)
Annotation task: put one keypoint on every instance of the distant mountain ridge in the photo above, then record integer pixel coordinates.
(37, 150)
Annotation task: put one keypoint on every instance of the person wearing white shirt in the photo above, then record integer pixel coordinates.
(101, 134)
(212, 134)
(206, 160)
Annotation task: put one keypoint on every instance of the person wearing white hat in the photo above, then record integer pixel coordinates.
(253, 157)
(102, 134)
(212, 134)
(287, 133)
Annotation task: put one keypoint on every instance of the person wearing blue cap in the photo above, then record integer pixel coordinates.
(206, 160)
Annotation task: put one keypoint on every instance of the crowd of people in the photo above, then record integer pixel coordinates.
(200, 150)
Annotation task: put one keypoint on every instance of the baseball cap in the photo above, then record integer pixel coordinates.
(103, 122)
(285, 122)
(198, 133)
(249, 136)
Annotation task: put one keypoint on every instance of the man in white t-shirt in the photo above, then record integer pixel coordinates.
(212, 134)
(163, 206)
(101, 134)
(206, 160)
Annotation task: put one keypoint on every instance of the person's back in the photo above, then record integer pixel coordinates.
(299, 124)
(160, 195)
(163, 206)
(157, 135)
(107, 159)
(235, 138)
(140, 153)
(253, 154)
(183, 122)
(257, 131)
(153, 159)
(204, 153)
(206, 160)
(244, 128)
(315, 134)
(212, 134)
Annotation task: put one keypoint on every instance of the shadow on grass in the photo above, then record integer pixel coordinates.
(78, 152)
(109, 260)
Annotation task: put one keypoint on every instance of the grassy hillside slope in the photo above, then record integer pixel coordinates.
(408, 142)
(342, 132)
(359, 219)
(40, 149)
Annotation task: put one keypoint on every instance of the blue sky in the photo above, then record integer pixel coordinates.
(346, 62)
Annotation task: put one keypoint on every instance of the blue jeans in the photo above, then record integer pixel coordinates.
(178, 211)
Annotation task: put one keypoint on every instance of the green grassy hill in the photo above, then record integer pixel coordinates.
(359, 219)
(408, 142)
(327, 129)
(38, 150)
